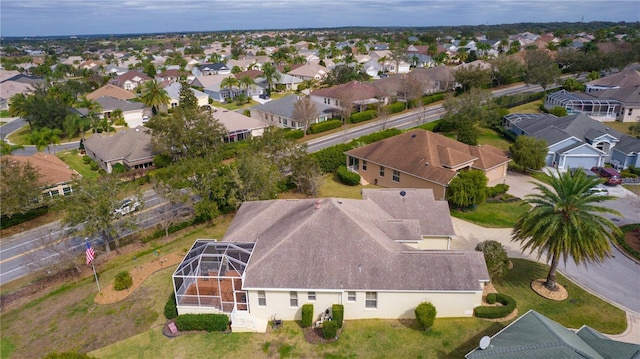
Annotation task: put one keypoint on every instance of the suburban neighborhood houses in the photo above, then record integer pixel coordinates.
(213, 131)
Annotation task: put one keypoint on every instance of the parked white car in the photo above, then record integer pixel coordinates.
(128, 205)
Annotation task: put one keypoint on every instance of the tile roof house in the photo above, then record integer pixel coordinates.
(279, 112)
(310, 71)
(535, 336)
(130, 147)
(56, 176)
(364, 254)
(577, 140)
(130, 80)
(111, 91)
(423, 159)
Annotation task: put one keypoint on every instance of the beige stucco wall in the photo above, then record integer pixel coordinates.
(431, 243)
(372, 175)
(391, 305)
(497, 173)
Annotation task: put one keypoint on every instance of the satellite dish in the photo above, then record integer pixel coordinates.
(484, 342)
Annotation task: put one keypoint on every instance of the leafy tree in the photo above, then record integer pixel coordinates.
(91, 209)
(154, 96)
(468, 110)
(306, 173)
(467, 189)
(20, 188)
(573, 85)
(426, 315)
(540, 68)
(305, 112)
(398, 54)
(566, 222)
(495, 256)
(342, 74)
(258, 177)
(6, 148)
(187, 98)
(506, 70)
(179, 205)
(472, 76)
(44, 137)
(19, 105)
(529, 152)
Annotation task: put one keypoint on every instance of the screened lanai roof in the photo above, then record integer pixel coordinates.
(212, 258)
(563, 98)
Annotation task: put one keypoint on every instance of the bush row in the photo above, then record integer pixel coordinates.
(324, 126)
(497, 190)
(363, 116)
(171, 307)
(508, 306)
(208, 322)
(347, 177)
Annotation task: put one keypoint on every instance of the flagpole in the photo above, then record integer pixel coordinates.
(95, 275)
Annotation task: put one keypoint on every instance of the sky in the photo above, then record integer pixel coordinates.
(87, 17)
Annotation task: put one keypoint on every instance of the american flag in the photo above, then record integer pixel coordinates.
(90, 253)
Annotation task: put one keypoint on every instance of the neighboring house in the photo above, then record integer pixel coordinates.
(629, 99)
(111, 91)
(576, 140)
(211, 69)
(280, 254)
(622, 79)
(535, 336)
(441, 77)
(8, 89)
(90, 65)
(113, 70)
(26, 79)
(130, 147)
(279, 112)
(286, 82)
(239, 127)
(211, 86)
(423, 159)
(359, 94)
(56, 176)
(579, 102)
(132, 112)
(310, 71)
(130, 80)
(173, 90)
(172, 75)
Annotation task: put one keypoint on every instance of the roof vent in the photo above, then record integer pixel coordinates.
(317, 205)
(403, 193)
(413, 136)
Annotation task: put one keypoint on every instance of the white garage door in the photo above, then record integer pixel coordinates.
(584, 162)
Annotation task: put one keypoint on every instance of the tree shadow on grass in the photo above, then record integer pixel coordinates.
(461, 350)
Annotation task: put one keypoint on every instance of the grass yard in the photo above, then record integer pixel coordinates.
(4, 114)
(531, 107)
(619, 126)
(493, 138)
(633, 188)
(493, 215)
(74, 161)
(19, 137)
(579, 309)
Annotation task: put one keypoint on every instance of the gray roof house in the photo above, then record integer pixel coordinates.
(133, 112)
(239, 127)
(279, 112)
(129, 147)
(364, 254)
(577, 140)
(535, 336)
(211, 69)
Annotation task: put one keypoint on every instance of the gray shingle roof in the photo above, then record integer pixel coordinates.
(608, 348)
(131, 145)
(283, 107)
(574, 125)
(109, 103)
(348, 244)
(628, 144)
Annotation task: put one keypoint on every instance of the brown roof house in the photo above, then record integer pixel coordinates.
(359, 94)
(109, 90)
(56, 176)
(130, 147)
(367, 255)
(130, 80)
(423, 159)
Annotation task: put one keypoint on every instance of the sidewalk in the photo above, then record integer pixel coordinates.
(469, 234)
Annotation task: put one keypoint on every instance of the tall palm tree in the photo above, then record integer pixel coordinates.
(245, 82)
(230, 82)
(565, 221)
(270, 74)
(154, 96)
(19, 105)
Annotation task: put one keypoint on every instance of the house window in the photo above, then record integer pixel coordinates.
(630, 110)
(396, 176)
(372, 300)
(293, 299)
(351, 296)
(262, 298)
(66, 190)
(285, 122)
(311, 296)
(381, 171)
(54, 193)
(364, 165)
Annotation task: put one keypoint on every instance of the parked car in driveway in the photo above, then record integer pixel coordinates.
(611, 175)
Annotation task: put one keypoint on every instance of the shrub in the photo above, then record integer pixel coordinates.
(307, 315)
(68, 355)
(620, 240)
(294, 134)
(508, 306)
(426, 314)
(497, 190)
(395, 107)
(123, 281)
(93, 165)
(86, 159)
(324, 126)
(118, 168)
(338, 314)
(628, 174)
(329, 329)
(363, 116)
(491, 298)
(331, 158)
(161, 161)
(170, 309)
(558, 111)
(347, 177)
(495, 256)
(208, 322)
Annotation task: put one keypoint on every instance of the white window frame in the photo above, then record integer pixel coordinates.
(371, 300)
(293, 299)
(396, 176)
(262, 298)
(311, 296)
(381, 171)
(351, 296)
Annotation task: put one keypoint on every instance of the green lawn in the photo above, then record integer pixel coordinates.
(74, 161)
(493, 215)
(619, 126)
(531, 107)
(493, 138)
(4, 114)
(633, 188)
(19, 137)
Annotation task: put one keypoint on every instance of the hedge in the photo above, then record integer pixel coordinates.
(337, 311)
(324, 126)
(363, 116)
(395, 107)
(208, 322)
(507, 307)
(307, 315)
(294, 134)
(497, 190)
(491, 298)
(170, 309)
(329, 329)
(347, 177)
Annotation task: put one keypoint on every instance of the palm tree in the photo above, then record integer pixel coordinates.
(565, 222)
(19, 105)
(270, 74)
(230, 82)
(154, 96)
(245, 82)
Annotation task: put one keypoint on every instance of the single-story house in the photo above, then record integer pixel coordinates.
(239, 127)
(310, 71)
(423, 159)
(576, 140)
(111, 91)
(535, 336)
(130, 147)
(279, 112)
(211, 86)
(56, 176)
(173, 90)
(211, 69)
(133, 112)
(130, 80)
(359, 94)
(280, 254)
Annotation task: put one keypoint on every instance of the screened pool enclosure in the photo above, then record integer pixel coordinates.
(210, 276)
